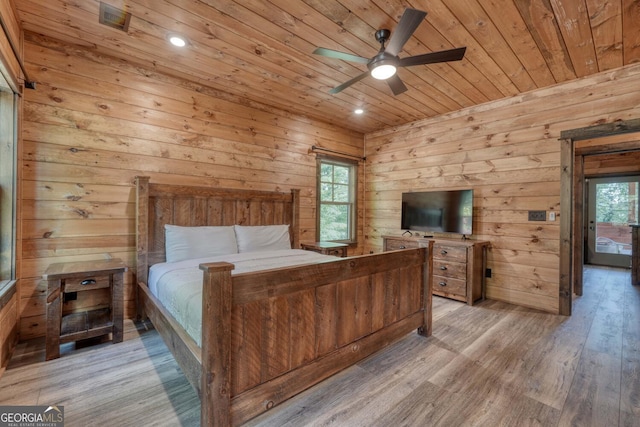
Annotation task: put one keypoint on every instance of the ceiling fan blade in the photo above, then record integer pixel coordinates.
(346, 84)
(407, 25)
(340, 55)
(433, 57)
(396, 85)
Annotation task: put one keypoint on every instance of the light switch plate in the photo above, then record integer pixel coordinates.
(537, 215)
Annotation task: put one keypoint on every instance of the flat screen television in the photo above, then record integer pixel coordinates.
(438, 211)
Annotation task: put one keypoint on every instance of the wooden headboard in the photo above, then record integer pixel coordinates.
(160, 204)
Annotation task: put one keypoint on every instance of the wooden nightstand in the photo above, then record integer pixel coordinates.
(85, 276)
(326, 248)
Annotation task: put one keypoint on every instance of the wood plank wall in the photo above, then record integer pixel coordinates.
(614, 164)
(508, 152)
(94, 123)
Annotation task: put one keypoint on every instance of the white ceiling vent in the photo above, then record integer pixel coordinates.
(114, 17)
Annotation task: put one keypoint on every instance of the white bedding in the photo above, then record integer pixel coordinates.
(178, 285)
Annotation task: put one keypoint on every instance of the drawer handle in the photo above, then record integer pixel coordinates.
(444, 267)
(442, 283)
(86, 282)
(403, 247)
(443, 252)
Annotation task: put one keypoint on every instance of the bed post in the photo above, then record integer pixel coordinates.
(295, 218)
(142, 238)
(215, 381)
(427, 298)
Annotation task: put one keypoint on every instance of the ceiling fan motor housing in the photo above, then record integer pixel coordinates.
(382, 58)
(382, 36)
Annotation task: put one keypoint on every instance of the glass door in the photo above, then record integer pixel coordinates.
(612, 204)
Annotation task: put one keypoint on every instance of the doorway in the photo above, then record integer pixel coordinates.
(612, 204)
(576, 145)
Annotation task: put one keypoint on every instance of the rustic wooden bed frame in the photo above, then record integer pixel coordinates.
(269, 335)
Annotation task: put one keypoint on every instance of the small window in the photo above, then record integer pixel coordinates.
(337, 186)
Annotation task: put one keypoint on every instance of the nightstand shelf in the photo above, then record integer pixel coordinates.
(85, 324)
(85, 277)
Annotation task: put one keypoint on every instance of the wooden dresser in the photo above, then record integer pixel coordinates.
(458, 265)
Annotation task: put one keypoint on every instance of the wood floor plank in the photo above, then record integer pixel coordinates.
(605, 334)
(122, 383)
(462, 327)
(392, 367)
(594, 398)
(630, 381)
(550, 366)
(425, 406)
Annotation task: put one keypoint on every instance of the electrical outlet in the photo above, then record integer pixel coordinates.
(552, 216)
(69, 296)
(487, 272)
(537, 215)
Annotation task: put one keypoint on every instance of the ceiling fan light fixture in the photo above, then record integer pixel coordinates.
(383, 71)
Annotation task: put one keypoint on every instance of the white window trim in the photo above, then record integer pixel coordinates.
(353, 193)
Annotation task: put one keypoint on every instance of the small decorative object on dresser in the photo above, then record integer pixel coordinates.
(85, 276)
(458, 265)
(326, 248)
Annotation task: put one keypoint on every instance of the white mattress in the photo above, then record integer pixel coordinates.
(178, 285)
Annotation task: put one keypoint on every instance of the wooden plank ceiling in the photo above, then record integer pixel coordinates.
(261, 50)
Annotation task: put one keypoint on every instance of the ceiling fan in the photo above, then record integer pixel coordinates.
(384, 65)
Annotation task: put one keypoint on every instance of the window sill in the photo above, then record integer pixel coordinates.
(351, 243)
(7, 290)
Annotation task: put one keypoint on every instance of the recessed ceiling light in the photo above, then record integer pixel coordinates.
(178, 41)
(358, 111)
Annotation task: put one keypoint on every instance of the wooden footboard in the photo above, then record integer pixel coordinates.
(268, 336)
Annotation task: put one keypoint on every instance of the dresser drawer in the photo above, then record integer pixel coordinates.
(450, 286)
(394, 245)
(80, 284)
(456, 270)
(449, 252)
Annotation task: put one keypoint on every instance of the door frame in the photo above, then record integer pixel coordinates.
(575, 144)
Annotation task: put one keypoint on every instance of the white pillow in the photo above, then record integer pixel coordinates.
(198, 242)
(258, 238)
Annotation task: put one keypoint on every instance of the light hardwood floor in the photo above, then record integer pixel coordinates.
(488, 365)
